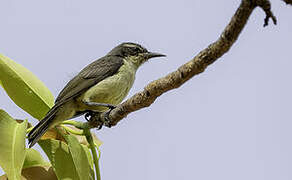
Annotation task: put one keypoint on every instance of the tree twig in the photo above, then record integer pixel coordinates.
(195, 66)
(288, 1)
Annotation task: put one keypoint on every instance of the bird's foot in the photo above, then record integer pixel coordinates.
(94, 117)
(88, 115)
(107, 120)
(111, 106)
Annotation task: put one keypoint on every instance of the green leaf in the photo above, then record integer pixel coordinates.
(33, 158)
(39, 173)
(24, 88)
(12, 145)
(36, 173)
(80, 158)
(61, 159)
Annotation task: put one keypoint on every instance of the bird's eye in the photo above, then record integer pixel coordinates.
(136, 49)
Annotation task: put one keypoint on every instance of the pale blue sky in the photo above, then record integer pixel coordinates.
(231, 122)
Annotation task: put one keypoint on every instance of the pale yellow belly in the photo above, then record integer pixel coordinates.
(111, 90)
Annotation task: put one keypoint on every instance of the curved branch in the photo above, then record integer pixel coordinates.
(195, 66)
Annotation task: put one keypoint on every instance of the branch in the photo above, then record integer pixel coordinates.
(196, 66)
(288, 1)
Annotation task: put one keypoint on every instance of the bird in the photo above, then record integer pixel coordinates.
(98, 87)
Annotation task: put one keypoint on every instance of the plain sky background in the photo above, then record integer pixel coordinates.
(231, 122)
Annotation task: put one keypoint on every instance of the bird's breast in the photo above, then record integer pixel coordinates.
(111, 90)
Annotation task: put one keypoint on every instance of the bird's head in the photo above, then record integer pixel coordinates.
(133, 52)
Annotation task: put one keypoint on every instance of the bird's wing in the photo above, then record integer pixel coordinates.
(89, 76)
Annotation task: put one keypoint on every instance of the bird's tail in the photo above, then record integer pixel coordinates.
(41, 128)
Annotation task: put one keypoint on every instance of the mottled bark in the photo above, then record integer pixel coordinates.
(195, 66)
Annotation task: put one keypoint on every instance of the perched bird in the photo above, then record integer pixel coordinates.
(96, 88)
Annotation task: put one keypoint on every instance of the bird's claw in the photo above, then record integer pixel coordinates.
(111, 107)
(100, 125)
(87, 116)
(107, 119)
(91, 116)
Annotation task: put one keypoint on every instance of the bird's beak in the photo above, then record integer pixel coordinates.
(149, 55)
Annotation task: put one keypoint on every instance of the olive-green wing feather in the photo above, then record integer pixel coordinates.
(89, 76)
